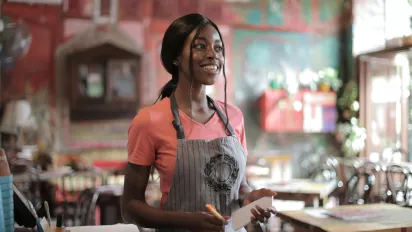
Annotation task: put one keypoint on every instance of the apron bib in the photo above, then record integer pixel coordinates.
(206, 172)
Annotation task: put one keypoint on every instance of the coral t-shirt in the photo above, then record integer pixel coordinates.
(152, 137)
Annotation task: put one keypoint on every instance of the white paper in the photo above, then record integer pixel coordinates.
(241, 217)
(45, 225)
(317, 213)
(110, 228)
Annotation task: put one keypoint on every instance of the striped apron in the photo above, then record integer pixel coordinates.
(206, 172)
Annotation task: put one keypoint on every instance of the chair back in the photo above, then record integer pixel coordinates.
(86, 207)
(399, 177)
(362, 183)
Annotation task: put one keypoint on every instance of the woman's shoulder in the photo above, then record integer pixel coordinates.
(230, 108)
(153, 114)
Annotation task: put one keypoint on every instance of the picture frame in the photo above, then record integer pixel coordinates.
(121, 77)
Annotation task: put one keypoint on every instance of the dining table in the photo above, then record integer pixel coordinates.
(312, 193)
(380, 217)
(105, 228)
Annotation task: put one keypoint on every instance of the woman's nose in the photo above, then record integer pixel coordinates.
(211, 54)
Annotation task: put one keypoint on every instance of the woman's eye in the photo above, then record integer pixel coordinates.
(199, 46)
(219, 48)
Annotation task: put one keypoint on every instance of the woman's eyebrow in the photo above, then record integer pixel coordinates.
(205, 39)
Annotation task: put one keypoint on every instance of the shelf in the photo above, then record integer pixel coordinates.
(305, 112)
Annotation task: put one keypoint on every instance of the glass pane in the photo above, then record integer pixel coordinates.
(386, 108)
(385, 113)
(91, 82)
(122, 79)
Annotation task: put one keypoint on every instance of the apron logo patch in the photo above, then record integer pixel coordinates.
(221, 173)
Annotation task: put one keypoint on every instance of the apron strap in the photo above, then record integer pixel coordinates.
(221, 115)
(178, 125)
(176, 122)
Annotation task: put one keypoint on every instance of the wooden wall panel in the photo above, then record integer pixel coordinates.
(131, 10)
(79, 8)
(188, 6)
(165, 9)
(35, 71)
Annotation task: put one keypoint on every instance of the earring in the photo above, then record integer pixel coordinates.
(175, 62)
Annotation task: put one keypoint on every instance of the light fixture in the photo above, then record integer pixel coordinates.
(17, 115)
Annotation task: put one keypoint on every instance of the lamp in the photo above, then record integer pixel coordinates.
(17, 115)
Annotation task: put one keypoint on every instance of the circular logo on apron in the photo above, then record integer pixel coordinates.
(221, 173)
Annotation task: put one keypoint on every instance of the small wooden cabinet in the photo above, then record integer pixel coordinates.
(104, 83)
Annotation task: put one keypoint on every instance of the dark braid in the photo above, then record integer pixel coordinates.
(224, 73)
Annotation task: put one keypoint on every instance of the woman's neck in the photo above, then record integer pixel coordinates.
(197, 100)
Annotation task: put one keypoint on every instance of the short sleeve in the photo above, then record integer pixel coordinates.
(140, 145)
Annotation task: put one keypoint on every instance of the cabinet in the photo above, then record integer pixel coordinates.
(103, 83)
(306, 111)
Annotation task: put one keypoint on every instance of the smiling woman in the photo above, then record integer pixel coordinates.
(199, 154)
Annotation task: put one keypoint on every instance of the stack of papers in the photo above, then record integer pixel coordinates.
(354, 214)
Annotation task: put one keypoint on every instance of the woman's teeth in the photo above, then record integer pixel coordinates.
(210, 68)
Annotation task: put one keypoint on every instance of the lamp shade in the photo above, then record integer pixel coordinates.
(17, 114)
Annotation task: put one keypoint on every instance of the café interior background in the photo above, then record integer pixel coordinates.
(292, 68)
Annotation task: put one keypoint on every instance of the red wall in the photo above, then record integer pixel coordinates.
(35, 71)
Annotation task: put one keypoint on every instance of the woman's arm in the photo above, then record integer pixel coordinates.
(136, 210)
(134, 206)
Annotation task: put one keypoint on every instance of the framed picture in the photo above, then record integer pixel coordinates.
(91, 80)
(121, 76)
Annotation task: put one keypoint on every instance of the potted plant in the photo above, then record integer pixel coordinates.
(328, 79)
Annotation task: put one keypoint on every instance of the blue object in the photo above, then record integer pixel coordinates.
(5, 186)
(8, 201)
(39, 227)
(6, 180)
(9, 229)
(7, 194)
(2, 226)
(7, 206)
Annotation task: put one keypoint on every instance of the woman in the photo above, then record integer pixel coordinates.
(199, 154)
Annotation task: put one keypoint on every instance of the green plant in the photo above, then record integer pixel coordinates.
(329, 76)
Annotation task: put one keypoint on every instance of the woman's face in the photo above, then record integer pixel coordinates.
(207, 53)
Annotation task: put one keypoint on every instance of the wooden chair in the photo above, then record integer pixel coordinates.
(71, 187)
(360, 186)
(86, 207)
(398, 179)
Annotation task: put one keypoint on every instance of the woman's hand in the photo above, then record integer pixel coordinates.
(259, 214)
(202, 221)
